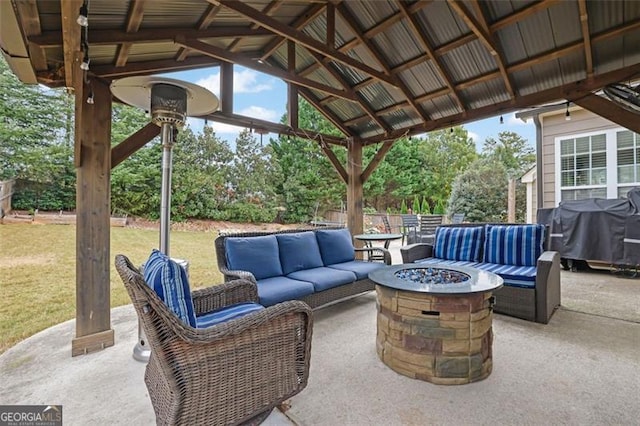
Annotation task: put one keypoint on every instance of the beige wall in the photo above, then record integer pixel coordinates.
(555, 125)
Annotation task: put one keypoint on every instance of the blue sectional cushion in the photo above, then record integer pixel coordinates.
(335, 246)
(258, 255)
(519, 245)
(515, 276)
(169, 280)
(358, 267)
(227, 313)
(299, 251)
(324, 278)
(458, 243)
(435, 260)
(278, 289)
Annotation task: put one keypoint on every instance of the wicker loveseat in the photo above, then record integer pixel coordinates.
(531, 275)
(316, 266)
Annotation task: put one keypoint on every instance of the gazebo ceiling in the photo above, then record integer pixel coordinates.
(378, 70)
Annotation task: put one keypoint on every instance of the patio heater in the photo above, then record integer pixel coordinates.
(170, 102)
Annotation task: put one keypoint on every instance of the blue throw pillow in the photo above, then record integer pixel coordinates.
(258, 255)
(519, 245)
(336, 246)
(298, 251)
(169, 280)
(458, 243)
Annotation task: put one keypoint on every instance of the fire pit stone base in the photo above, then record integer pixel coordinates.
(443, 339)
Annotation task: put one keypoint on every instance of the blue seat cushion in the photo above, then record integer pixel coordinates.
(298, 251)
(513, 275)
(227, 313)
(169, 280)
(519, 245)
(258, 255)
(358, 267)
(336, 246)
(435, 260)
(458, 243)
(324, 278)
(278, 289)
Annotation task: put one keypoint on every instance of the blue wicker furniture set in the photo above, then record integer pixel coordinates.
(531, 275)
(213, 350)
(317, 266)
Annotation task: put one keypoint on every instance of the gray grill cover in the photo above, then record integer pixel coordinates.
(596, 229)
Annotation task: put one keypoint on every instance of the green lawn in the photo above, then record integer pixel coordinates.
(38, 270)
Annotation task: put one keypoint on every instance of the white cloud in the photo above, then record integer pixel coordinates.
(474, 136)
(260, 113)
(245, 81)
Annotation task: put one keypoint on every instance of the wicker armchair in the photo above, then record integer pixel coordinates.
(235, 372)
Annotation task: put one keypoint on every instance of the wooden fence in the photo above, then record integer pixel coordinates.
(6, 191)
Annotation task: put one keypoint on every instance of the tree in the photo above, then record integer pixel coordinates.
(481, 192)
(250, 181)
(304, 179)
(512, 150)
(35, 143)
(201, 173)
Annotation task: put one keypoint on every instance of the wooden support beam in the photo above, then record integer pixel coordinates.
(70, 38)
(226, 87)
(279, 128)
(203, 23)
(309, 15)
(30, 20)
(216, 52)
(478, 25)
(382, 61)
(93, 133)
(273, 6)
(335, 162)
(110, 37)
(375, 161)
(609, 110)
(355, 192)
(302, 38)
(426, 46)
(306, 93)
(292, 90)
(586, 37)
(134, 19)
(130, 145)
(152, 67)
(571, 91)
(331, 26)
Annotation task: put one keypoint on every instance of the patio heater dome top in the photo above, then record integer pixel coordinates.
(168, 100)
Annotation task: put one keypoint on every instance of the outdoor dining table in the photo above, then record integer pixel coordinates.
(368, 240)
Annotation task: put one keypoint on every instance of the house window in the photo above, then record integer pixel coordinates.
(583, 167)
(628, 150)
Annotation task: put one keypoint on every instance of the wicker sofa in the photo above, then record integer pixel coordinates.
(317, 266)
(531, 275)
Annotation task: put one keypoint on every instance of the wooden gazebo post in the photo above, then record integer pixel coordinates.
(355, 191)
(93, 211)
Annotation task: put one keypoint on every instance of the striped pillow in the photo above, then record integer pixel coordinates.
(519, 245)
(458, 243)
(169, 280)
(227, 313)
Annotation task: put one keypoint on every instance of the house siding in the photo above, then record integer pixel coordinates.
(554, 125)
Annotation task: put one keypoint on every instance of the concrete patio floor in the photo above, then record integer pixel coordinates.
(582, 368)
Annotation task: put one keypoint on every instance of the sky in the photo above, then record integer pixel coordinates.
(262, 96)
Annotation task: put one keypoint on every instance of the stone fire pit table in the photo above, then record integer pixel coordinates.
(434, 321)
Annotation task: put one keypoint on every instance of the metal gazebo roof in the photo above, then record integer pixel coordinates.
(376, 69)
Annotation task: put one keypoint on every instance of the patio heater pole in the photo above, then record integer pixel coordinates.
(165, 203)
(167, 100)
